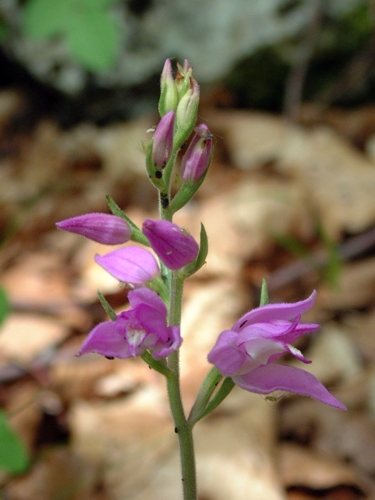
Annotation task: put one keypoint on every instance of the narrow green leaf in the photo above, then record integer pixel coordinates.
(137, 234)
(116, 210)
(221, 394)
(107, 307)
(264, 294)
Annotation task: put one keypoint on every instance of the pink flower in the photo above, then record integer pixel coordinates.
(163, 140)
(247, 352)
(140, 328)
(173, 245)
(103, 228)
(133, 265)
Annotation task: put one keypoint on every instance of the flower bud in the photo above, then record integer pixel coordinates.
(184, 78)
(103, 228)
(133, 265)
(168, 94)
(187, 108)
(163, 140)
(173, 245)
(198, 155)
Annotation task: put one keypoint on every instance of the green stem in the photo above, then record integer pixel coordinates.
(184, 433)
(182, 426)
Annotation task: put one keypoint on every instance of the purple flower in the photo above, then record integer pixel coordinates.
(140, 328)
(103, 228)
(173, 245)
(133, 265)
(247, 352)
(198, 155)
(163, 140)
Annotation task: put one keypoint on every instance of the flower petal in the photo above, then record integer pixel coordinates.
(225, 355)
(269, 312)
(174, 246)
(175, 341)
(133, 265)
(105, 339)
(266, 379)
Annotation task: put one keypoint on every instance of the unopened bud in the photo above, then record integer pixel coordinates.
(163, 140)
(198, 155)
(168, 94)
(103, 228)
(173, 245)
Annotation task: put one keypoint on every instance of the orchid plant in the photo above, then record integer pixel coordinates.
(247, 354)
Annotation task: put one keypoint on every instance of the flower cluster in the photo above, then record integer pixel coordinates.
(144, 325)
(248, 353)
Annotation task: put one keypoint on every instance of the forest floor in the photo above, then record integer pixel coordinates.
(291, 203)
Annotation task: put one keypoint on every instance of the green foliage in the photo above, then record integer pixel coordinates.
(4, 306)
(13, 455)
(91, 32)
(3, 31)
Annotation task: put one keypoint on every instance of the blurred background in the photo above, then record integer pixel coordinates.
(287, 89)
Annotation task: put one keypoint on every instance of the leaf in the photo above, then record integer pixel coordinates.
(13, 455)
(91, 32)
(45, 18)
(93, 37)
(4, 306)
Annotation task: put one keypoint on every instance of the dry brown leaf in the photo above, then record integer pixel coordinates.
(89, 376)
(253, 139)
(121, 148)
(24, 336)
(335, 356)
(348, 436)
(338, 180)
(302, 467)
(58, 474)
(250, 216)
(134, 444)
(36, 282)
(24, 407)
(361, 328)
(356, 287)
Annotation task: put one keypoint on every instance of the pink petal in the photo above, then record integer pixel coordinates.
(133, 265)
(266, 379)
(174, 246)
(284, 311)
(175, 341)
(104, 339)
(225, 355)
(148, 297)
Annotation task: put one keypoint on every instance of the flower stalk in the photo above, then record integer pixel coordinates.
(244, 355)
